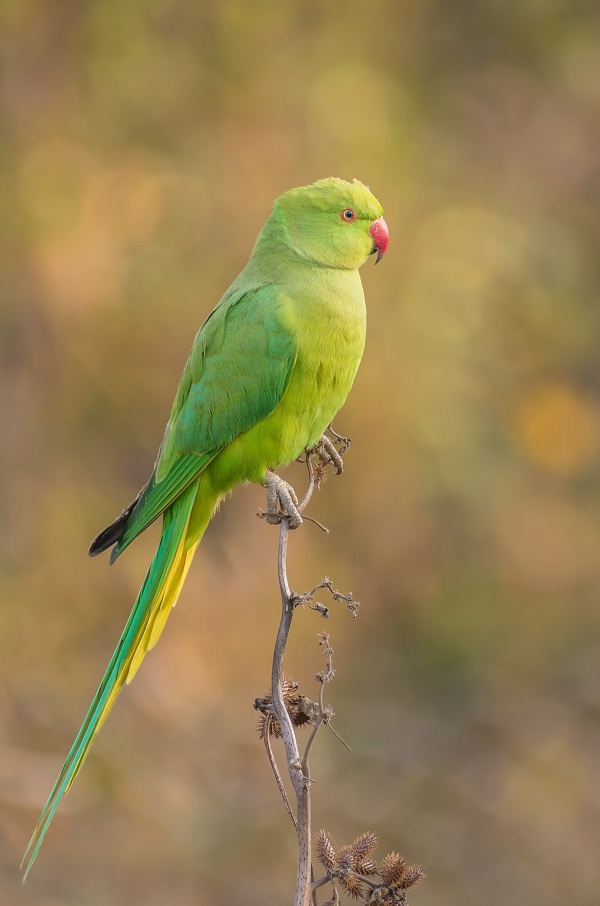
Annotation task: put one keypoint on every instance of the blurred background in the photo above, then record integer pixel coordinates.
(142, 145)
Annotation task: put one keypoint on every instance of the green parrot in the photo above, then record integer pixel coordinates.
(269, 369)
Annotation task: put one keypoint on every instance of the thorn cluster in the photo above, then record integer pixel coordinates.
(353, 867)
(300, 708)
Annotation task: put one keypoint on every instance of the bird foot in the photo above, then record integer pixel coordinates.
(282, 502)
(328, 453)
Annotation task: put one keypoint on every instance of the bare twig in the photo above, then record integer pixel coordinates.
(300, 782)
(323, 714)
(275, 769)
(298, 767)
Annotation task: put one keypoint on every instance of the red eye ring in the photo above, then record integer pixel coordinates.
(348, 215)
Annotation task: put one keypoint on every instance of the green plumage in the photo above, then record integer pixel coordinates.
(269, 369)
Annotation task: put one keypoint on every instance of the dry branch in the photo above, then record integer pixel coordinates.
(283, 709)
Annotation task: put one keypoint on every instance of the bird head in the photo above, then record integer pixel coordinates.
(333, 223)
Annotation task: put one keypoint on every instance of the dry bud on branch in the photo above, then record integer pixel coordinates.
(300, 709)
(308, 597)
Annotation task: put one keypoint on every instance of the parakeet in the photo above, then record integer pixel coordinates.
(269, 369)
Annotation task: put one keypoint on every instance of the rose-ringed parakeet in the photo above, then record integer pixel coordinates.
(269, 369)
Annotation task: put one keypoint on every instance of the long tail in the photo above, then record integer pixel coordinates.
(154, 602)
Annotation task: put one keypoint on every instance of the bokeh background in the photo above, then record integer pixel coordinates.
(142, 144)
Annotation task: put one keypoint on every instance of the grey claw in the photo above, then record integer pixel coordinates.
(281, 494)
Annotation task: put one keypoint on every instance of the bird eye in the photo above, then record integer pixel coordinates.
(348, 215)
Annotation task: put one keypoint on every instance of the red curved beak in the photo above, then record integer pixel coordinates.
(380, 235)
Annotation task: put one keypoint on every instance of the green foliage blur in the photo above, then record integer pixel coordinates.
(142, 144)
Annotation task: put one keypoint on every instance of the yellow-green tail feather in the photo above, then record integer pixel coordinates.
(154, 602)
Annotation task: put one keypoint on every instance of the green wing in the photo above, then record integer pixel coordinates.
(237, 373)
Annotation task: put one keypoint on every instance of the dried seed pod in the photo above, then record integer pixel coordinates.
(362, 848)
(367, 868)
(297, 706)
(412, 875)
(392, 869)
(353, 886)
(326, 850)
(344, 858)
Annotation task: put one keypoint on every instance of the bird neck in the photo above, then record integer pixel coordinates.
(273, 244)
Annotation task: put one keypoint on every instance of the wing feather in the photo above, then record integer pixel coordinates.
(237, 373)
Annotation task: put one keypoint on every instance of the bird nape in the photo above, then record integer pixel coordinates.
(269, 369)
